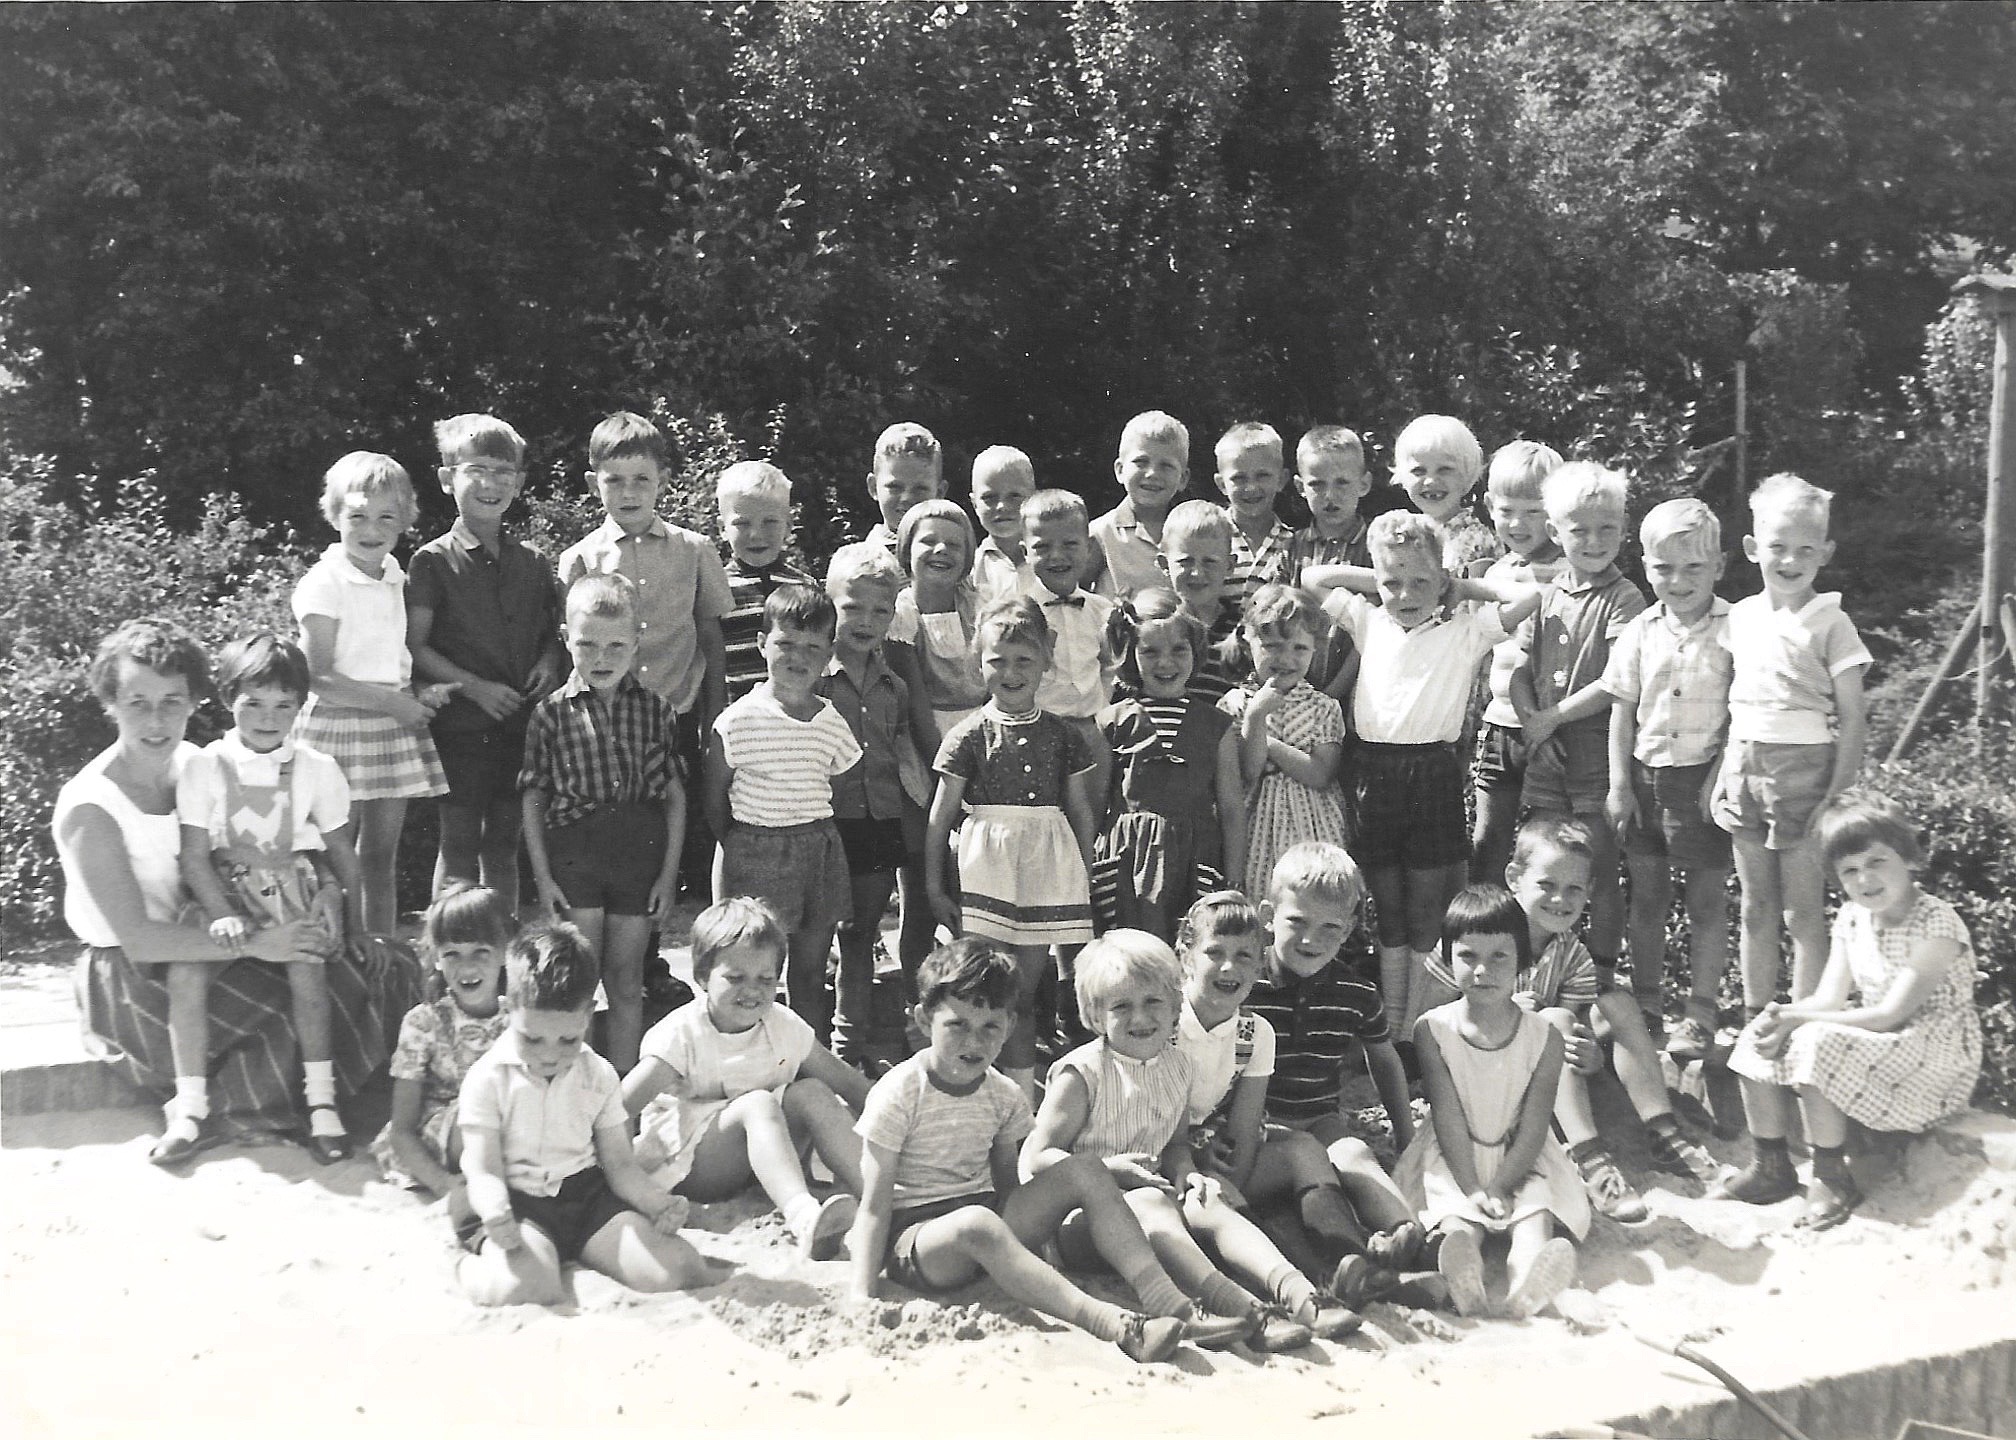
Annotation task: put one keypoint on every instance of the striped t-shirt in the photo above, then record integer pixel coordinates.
(1135, 1106)
(1563, 974)
(1320, 1022)
(943, 1141)
(784, 768)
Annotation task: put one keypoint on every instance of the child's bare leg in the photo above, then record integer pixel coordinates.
(1428, 895)
(812, 1110)
(1244, 1249)
(917, 934)
(189, 1018)
(1388, 884)
(853, 1010)
(1651, 902)
(1538, 1266)
(1572, 1111)
(805, 979)
(1705, 893)
(1367, 1186)
(630, 1252)
(529, 1275)
(498, 860)
(749, 1139)
(378, 825)
(308, 984)
(1018, 1056)
(1802, 890)
(1826, 1123)
(624, 941)
(1758, 949)
(1633, 1054)
(1035, 1211)
(1491, 836)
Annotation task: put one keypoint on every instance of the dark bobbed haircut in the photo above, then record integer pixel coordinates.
(799, 607)
(157, 643)
(1487, 910)
(978, 971)
(261, 658)
(1154, 605)
(465, 914)
(551, 967)
(1856, 819)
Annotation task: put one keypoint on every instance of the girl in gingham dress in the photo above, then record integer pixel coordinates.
(363, 713)
(464, 934)
(1889, 1039)
(1023, 777)
(1291, 735)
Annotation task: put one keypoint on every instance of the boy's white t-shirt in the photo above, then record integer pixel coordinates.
(1243, 1045)
(784, 767)
(1782, 692)
(1413, 685)
(942, 1141)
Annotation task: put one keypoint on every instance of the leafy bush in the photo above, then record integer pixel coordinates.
(67, 578)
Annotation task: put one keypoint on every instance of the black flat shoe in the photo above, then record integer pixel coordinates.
(176, 1150)
(327, 1149)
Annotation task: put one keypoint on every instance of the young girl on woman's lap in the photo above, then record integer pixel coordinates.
(1488, 1162)
(1177, 813)
(730, 1084)
(1889, 1038)
(464, 933)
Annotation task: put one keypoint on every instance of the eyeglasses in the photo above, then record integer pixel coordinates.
(477, 471)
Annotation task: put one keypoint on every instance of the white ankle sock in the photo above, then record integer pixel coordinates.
(318, 1081)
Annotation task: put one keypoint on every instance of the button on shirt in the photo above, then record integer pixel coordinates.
(546, 1127)
(370, 617)
(1257, 565)
(877, 710)
(679, 579)
(1677, 678)
(1567, 640)
(1079, 683)
(493, 615)
(1131, 556)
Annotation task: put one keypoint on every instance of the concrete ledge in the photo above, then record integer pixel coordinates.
(67, 1085)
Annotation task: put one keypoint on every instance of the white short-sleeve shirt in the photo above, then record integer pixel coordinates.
(321, 796)
(784, 768)
(1413, 685)
(1242, 1045)
(547, 1127)
(1782, 691)
(370, 617)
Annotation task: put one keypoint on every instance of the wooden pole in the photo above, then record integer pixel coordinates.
(1964, 641)
(1742, 432)
(1997, 294)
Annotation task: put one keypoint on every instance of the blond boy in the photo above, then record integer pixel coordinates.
(1249, 475)
(1153, 467)
(1331, 475)
(908, 469)
(753, 499)
(1003, 480)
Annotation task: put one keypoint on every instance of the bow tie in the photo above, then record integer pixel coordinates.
(1076, 600)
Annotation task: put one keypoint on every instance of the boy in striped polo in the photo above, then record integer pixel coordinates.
(603, 807)
(768, 792)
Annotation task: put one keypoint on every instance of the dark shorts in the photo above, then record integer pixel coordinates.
(900, 1263)
(1409, 802)
(1670, 824)
(1500, 762)
(481, 766)
(799, 871)
(1570, 774)
(874, 847)
(1771, 791)
(570, 1219)
(610, 859)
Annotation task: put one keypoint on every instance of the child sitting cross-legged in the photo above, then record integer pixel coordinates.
(1487, 1163)
(940, 1199)
(732, 1085)
(1549, 876)
(546, 1148)
(1123, 1099)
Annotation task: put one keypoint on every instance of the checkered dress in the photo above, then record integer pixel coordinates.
(1888, 1080)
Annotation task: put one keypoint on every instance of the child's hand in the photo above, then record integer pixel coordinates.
(1769, 1031)
(231, 933)
(545, 677)
(945, 910)
(672, 1219)
(406, 710)
(1581, 1051)
(433, 697)
(375, 955)
(1540, 727)
(497, 700)
(503, 1232)
(664, 899)
(1489, 1205)
(1137, 1171)
(551, 898)
(1620, 808)
(1266, 700)
(1215, 1158)
(1202, 1190)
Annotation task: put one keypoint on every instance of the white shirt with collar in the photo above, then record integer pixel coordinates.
(1079, 683)
(546, 1127)
(370, 617)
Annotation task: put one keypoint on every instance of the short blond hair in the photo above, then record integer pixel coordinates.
(1517, 469)
(365, 472)
(1786, 494)
(1441, 435)
(1316, 867)
(1688, 521)
(1158, 426)
(1247, 435)
(1195, 519)
(998, 458)
(1328, 440)
(907, 437)
(752, 477)
(1398, 531)
(1054, 505)
(865, 562)
(603, 596)
(1582, 483)
(1121, 956)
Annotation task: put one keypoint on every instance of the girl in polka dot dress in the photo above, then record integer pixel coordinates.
(1023, 778)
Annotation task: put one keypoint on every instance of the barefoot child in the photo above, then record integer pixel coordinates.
(546, 1148)
(1889, 1038)
(363, 715)
(1176, 819)
(1797, 723)
(604, 810)
(732, 1085)
(1291, 736)
(464, 933)
(1153, 468)
(482, 613)
(1023, 779)
(940, 1199)
(1487, 1164)
(1121, 1099)
(1668, 679)
(1232, 1053)
(1549, 876)
(265, 828)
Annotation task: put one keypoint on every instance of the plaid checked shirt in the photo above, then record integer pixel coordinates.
(586, 752)
(1678, 680)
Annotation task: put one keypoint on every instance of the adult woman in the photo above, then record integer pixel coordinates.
(119, 840)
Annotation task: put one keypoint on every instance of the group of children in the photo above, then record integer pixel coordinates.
(1159, 762)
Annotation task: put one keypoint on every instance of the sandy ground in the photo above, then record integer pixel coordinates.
(260, 1291)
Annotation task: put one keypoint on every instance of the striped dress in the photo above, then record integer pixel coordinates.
(1163, 845)
(1135, 1105)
